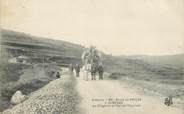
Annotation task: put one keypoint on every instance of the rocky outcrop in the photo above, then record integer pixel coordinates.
(17, 98)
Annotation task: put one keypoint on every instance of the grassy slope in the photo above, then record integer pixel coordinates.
(24, 44)
(162, 75)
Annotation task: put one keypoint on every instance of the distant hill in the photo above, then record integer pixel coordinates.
(177, 59)
(16, 44)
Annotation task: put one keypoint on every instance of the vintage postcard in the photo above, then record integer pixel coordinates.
(92, 57)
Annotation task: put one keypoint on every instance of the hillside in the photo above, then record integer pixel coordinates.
(64, 53)
(44, 57)
(17, 44)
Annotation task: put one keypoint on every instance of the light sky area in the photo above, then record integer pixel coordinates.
(118, 27)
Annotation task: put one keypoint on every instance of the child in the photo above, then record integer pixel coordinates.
(57, 75)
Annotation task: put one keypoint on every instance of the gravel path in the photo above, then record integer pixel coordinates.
(57, 97)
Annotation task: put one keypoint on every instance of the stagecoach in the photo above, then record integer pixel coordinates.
(91, 59)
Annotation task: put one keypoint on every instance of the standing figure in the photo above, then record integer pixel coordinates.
(93, 71)
(57, 75)
(71, 68)
(87, 70)
(85, 73)
(77, 70)
(100, 71)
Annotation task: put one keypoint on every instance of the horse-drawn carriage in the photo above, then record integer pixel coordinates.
(91, 59)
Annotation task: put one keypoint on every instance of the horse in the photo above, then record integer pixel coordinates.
(86, 69)
(94, 69)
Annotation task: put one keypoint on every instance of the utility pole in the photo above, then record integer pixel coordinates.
(1, 46)
(43, 63)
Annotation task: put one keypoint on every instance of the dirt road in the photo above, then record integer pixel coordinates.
(96, 99)
(68, 95)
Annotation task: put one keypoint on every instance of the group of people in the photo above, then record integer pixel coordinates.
(91, 69)
(75, 68)
(96, 69)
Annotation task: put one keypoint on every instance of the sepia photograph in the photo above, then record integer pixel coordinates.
(91, 56)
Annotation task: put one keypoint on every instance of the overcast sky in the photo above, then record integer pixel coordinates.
(152, 27)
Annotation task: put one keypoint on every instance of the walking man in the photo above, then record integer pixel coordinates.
(71, 68)
(77, 70)
(100, 71)
(93, 71)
